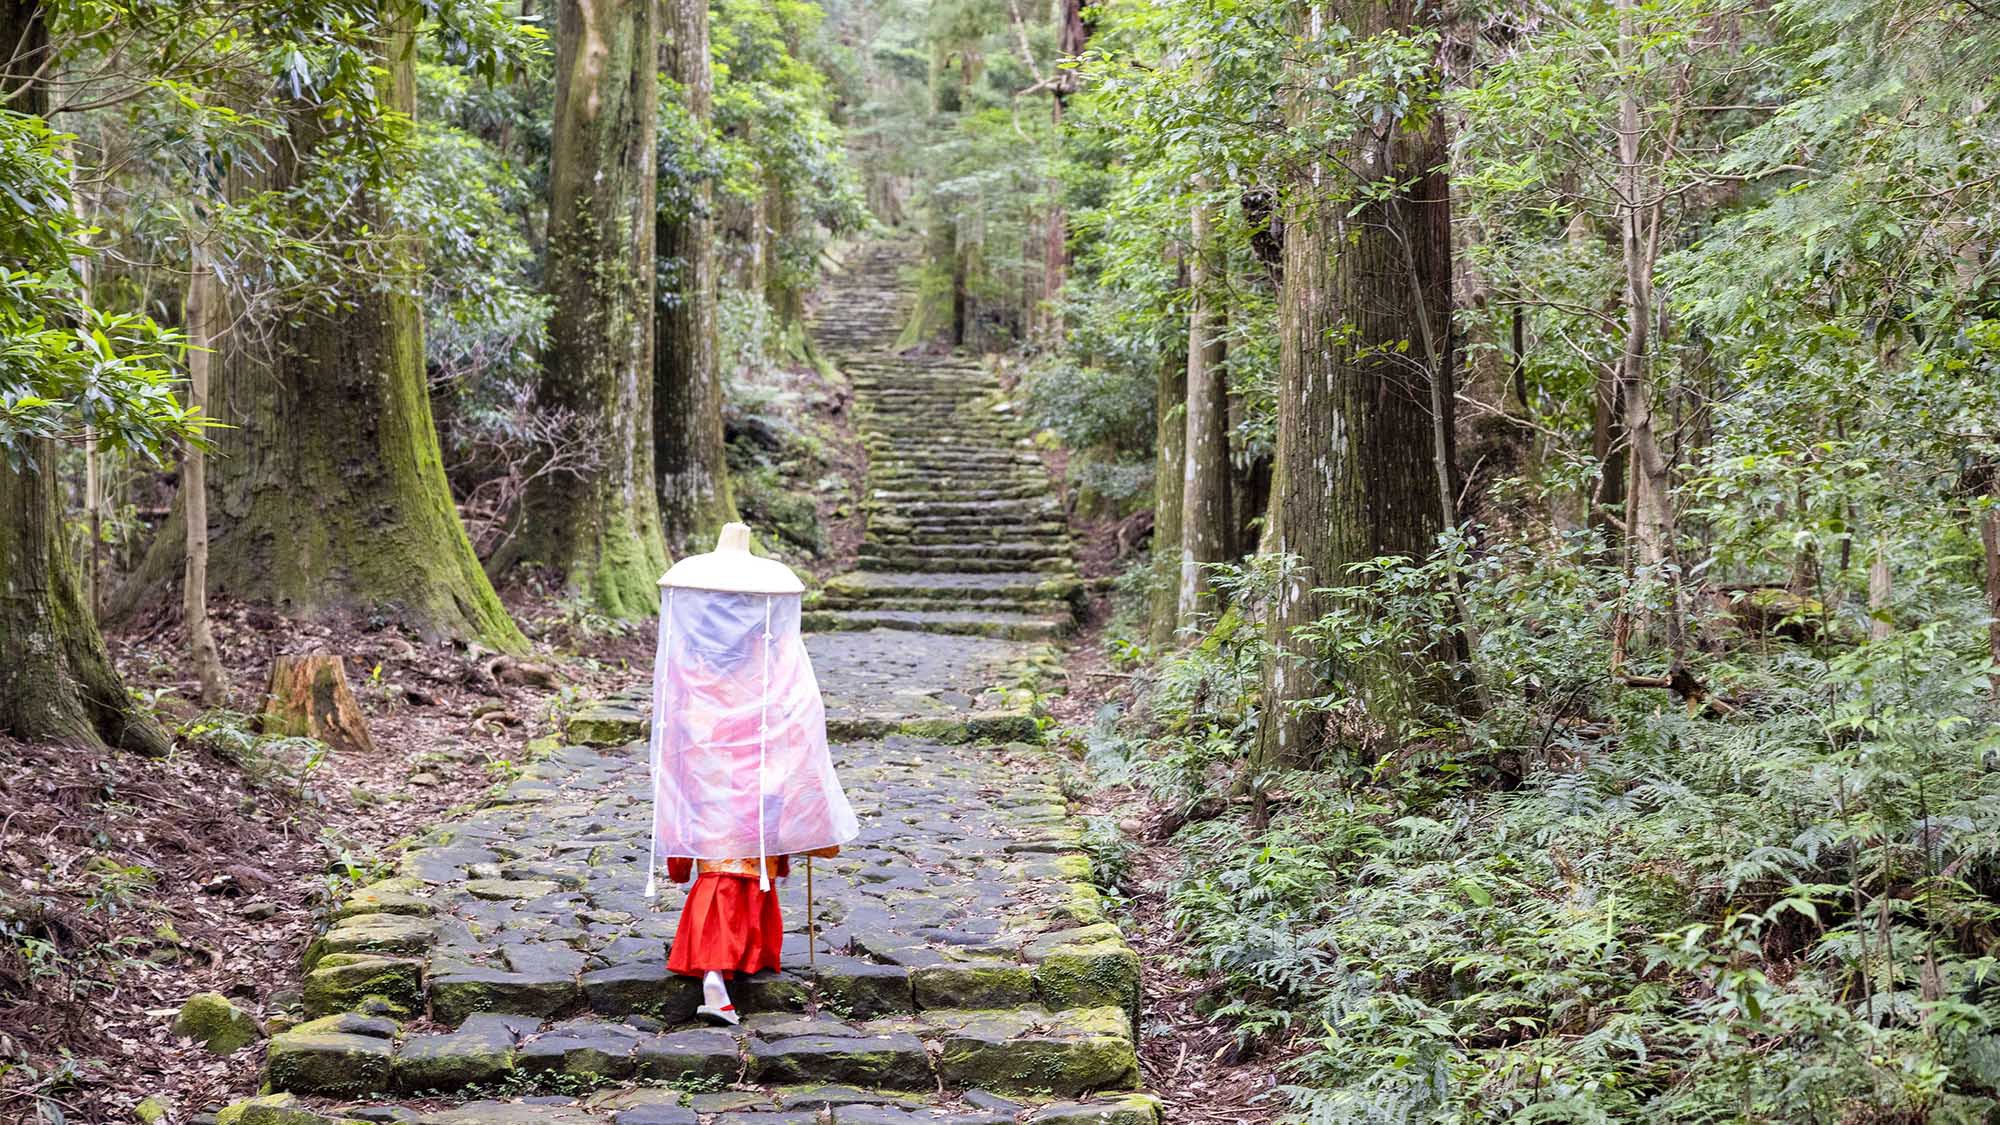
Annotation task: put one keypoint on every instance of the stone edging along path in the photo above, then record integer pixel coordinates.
(964, 970)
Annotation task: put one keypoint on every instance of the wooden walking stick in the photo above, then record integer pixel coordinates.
(812, 939)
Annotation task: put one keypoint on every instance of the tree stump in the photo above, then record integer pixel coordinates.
(309, 696)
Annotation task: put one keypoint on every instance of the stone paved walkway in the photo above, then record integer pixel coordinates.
(964, 971)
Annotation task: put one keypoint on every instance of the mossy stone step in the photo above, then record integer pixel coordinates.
(611, 722)
(1017, 584)
(884, 434)
(1052, 565)
(996, 726)
(894, 1061)
(925, 523)
(1048, 535)
(1006, 626)
(1028, 514)
(790, 1105)
(346, 1053)
(1037, 607)
(944, 475)
(967, 494)
(967, 457)
(927, 510)
(1025, 550)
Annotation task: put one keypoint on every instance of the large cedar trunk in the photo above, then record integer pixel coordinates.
(327, 493)
(57, 683)
(687, 385)
(601, 529)
(56, 679)
(1205, 521)
(1354, 476)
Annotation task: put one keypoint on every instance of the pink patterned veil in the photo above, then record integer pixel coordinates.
(739, 757)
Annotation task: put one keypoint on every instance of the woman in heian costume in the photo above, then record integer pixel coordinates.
(741, 775)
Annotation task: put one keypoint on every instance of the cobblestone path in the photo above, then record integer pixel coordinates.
(964, 971)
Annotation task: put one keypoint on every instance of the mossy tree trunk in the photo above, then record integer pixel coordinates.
(1205, 521)
(1354, 476)
(57, 683)
(330, 492)
(688, 455)
(56, 679)
(601, 530)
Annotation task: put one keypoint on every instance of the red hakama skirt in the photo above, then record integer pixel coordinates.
(728, 926)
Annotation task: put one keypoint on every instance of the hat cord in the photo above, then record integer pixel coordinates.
(763, 731)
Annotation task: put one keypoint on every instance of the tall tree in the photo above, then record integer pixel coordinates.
(1367, 267)
(941, 305)
(1169, 473)
(1649, 514)
(1205, 519)
(687, 383)
(601, 531)
(330, 490)
(57, 683)
(205, 318)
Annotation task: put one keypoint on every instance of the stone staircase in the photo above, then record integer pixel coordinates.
(960, 969)
(965, 535)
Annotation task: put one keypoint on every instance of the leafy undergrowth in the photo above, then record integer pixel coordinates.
(1594, 902)
(129, 884)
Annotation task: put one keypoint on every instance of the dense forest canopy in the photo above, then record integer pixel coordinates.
(1544, 458)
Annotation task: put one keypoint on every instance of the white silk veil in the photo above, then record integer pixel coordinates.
(740, 765)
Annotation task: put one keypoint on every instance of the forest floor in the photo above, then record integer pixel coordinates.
(140, 882)
(1193, 1061)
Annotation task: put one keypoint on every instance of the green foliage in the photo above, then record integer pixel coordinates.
(65, 364)
(773, 136)
(1590, 902)
(485, 316)
(282, 763)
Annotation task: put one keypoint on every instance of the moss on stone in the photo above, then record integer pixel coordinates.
(1083, 905)
(972, 985)
(340, 982)
(328, 1062)
(232, 1114)
(890, 1062)
(401, 895)
(274, 1109)
(607, 724)
(457, 995)
(1063, 1066)
(374, 933)
(1132, 1109)
(1089, 976)
(210, 1019)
